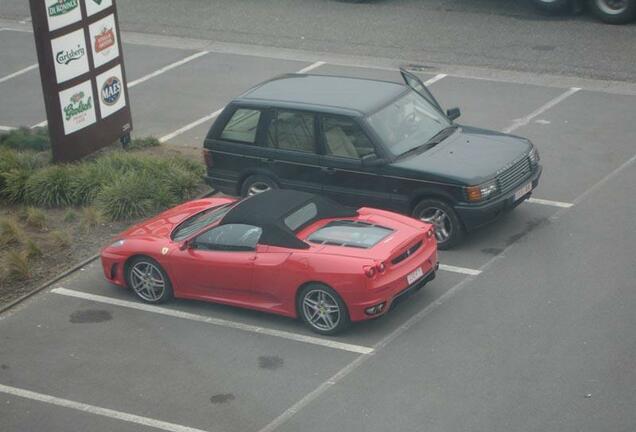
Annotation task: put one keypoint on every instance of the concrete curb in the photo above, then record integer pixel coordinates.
(68, 272)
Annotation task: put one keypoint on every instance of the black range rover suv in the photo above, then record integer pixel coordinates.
(369, 143)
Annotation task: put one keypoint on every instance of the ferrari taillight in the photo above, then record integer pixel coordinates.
(369, 271)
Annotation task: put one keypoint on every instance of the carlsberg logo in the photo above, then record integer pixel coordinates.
(65, 57)
(62, 7)
(77, 106)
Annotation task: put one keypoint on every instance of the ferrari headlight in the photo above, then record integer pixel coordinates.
(118, 243)
(482, 192)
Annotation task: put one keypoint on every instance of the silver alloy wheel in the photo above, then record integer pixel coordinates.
(321, 310)
(440, 219)
(147, 281)
(257, 187)
(612, 7)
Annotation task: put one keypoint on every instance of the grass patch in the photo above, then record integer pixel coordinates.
(90, 218)
(11, 233)
(50, 186)
(70, 216)
(26, 139)
(35, 218)
(143, 143)
(17, 266)
(60, 239)
(32, 250)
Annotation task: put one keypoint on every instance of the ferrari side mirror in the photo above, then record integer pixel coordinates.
(184, 245)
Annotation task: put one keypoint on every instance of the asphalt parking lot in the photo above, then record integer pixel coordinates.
(84, 355)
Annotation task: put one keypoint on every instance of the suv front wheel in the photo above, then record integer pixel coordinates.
(614, 11)
(449, 230)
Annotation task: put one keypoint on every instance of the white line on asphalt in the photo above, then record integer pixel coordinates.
(149, 76)
(435, 79)
(6, 128)
(462, 270)
(215, 321)
(527, 119)
(550, 203)
(92, 409)
(217, 112)
(311, 67)
(167, 68)
(18, 73)
(190, 126)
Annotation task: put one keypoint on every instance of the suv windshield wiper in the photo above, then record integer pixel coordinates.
(440, 136)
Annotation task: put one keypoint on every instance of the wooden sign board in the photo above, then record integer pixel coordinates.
(83, 76)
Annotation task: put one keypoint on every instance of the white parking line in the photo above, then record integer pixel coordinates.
(18, 73)
(559, 204)
(527, 119)
(435, 79)
(215, 321)
(149, 76)
(461, 270)
(92, 409)
(6, 128)
(311, 67)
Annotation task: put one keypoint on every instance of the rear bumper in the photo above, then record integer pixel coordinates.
(475, 216)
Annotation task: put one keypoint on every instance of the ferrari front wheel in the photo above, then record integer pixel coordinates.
(322, 309)
(148, 280)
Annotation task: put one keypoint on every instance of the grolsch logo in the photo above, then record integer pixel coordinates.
(66, 56)
(77, 106)
(111, 91)
(62, 7)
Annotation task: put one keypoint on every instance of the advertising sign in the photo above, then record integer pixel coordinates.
(82, 73)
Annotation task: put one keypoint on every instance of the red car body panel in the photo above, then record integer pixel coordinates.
(269, 278)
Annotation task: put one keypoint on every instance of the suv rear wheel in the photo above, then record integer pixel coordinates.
(614, 11)
(449, 230)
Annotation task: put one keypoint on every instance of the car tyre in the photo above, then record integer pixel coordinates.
(553, 6)
(614, 11)
(449, 230)
(322, 309)
(148, 280)
(256, 184)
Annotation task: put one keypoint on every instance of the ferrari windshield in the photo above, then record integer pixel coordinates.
(199, 221)
(350, 233)
(407, 123)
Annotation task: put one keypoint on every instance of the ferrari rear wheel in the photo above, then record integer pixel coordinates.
(148, 280)
(322, 309)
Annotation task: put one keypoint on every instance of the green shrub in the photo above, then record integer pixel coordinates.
(50, 186)
(60, 239)
(143, 142)
(91, 217)
(10, 232)
(26, 139)
(32, 250)
(35, 218)
(15, 168)
(70, 216)
(17, 266)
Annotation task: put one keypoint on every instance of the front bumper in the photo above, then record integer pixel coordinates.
(113, 267)
(476, 215)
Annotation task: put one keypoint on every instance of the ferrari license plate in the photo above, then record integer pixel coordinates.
(523, 191)
(414, 275)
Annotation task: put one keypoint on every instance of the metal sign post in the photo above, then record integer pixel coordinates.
(83, 75)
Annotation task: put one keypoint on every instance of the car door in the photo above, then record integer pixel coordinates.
(290, 150)
(348, 179)
(219, 263)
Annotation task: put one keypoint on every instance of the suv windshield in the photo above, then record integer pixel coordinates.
(407, 123)
(199, 221)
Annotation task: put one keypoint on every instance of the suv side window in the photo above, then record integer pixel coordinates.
(242, 126)
(292, 130)
(345, 138)
(230, 237)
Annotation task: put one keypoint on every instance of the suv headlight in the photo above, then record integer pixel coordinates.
(534, 156)
(482, 192)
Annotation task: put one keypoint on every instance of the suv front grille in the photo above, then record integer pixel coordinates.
(513, 175)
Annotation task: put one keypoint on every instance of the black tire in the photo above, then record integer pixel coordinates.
(257, 182)
(309, 291)
(132, 280)
(452, 232)
(553, 6)
(614, 11)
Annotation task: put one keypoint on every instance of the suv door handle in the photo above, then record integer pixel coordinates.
(328, 170)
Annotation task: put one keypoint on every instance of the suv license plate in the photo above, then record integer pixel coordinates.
(415, 275)
(523, 191)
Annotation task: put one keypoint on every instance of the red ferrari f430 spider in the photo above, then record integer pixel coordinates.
(286, 252)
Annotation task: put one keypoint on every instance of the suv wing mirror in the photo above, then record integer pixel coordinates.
(371, 160)
(453, 113)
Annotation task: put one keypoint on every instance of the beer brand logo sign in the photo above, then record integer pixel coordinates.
(111, 91)
(99, 2)
(105, 39)
(65, 57)
(62, 7)
(77, 107)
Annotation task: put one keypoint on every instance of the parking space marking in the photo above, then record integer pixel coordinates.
(311, 67)
(92, 409)
(190, 126)
(215, 321)
(18, 73)
(527, 119)
(149, 76)
(435, 79)
(559, 204)
(6, 128)
(461, 270)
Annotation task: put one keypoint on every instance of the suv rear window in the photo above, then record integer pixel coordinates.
(350, 233)
(242, 126)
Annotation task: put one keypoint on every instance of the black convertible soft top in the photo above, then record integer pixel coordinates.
(268, 211)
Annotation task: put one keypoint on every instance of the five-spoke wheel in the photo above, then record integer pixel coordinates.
(148, 280)
(322, 309)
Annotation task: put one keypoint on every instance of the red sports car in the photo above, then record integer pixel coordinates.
(281, 251)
